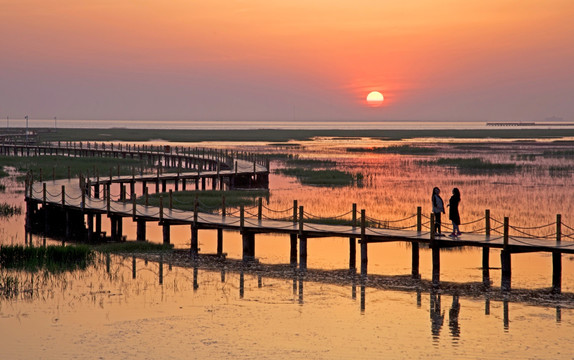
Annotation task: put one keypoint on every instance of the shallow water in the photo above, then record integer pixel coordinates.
(229, 314)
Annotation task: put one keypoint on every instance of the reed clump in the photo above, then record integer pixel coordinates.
(51, 258)
(396, 149)
(323, 177)
(208, 201)
(7, 210)
(472, 164)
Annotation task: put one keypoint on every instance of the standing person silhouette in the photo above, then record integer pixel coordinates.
(437, 209)
(453, 214)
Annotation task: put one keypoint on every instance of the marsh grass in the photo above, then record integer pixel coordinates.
(7, 210)
(276, 135)
(397, 149)
(133, 247)
(57, 166)
(471, 165)
(54, 259)
(296, 161)
(3, 173)
(209, 201)
(331, 178)
(558, 153)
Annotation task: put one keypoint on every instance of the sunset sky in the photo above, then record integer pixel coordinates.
(484, 60)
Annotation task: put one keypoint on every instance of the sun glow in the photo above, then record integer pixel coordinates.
(375, 98)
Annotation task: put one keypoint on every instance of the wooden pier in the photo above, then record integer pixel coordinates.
(76, 202)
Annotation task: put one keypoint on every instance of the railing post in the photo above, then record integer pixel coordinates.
(364, 256)
(558, 227)
(432, 227)
(241, 217)
(161, 208)
(294, 211)
(354, 215)
(170, 199)
(487, 222)
(63, 195)
(108, 200)
(419, 218)
(223, 210)
(505, 232)
(195, 211)
(133, 206)
(43, 193)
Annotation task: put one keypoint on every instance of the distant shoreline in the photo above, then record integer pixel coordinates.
(276, 135)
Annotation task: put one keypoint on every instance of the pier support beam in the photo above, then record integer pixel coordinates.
(219, 242)
(415, 260)
(352, 253)
(435, 248)
(248, 246)
(90, 222)
(194, 241)
(302, 252)
(141, 230)
(486, 267)
(293, 252)
(166, 233)
(506, 270)
(556, 272)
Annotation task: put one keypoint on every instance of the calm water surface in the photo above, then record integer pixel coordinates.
(201, 312)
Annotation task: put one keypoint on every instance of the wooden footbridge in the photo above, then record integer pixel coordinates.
(72, 203)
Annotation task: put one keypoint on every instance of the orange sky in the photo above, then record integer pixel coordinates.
(278, 60)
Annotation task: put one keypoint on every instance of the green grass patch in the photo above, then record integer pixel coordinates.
(7, 210)
(322, 177)
(472, 164)
(57, 166)
(209, 201)
(397, 149)
(54, 259)
(3, 173)
(133, 247)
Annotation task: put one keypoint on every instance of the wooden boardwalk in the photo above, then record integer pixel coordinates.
(79, 199)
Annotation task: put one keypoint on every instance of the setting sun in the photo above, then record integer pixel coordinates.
(375, 98)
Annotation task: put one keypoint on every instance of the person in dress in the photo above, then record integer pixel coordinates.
(437, 209)
(453, 214)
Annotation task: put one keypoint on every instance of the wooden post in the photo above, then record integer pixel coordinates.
(354, 215)
(134, 210)
(556, 272)
(487, 222)
(505, 261)
(63, 195)
(160, 208)
(295, 208)
(194, 241)
(352, 253)
(166, 233)
(293, 252)
(223, 210)
(141, 230)
(435, 249)
(415, 260)
(220, 242)
(260, 209)
(364, 256)
(419, 219)
(44, 194)
(248, 245)
(241, 217)
(486, 267)
(558, 227)
(302, 241)
(170, 199)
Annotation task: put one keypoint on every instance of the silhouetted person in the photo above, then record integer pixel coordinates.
(453, 214)
(437, 209)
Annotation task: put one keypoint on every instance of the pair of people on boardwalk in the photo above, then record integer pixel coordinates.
(453, 215)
